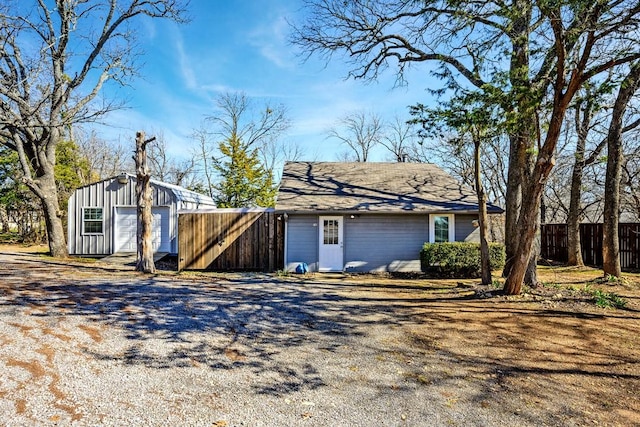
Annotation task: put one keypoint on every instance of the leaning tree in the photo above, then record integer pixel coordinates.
(55, 59)
(519, 54)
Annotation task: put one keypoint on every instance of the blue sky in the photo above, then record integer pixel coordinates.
(243, 46)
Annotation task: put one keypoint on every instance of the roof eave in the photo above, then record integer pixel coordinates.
(379, 212)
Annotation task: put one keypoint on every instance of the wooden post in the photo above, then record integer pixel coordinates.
(144, 233)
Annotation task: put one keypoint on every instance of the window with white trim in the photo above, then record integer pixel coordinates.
(442, 228)
(92, 221)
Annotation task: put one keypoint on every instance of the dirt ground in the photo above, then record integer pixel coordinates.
(551, 350)
(550, 341)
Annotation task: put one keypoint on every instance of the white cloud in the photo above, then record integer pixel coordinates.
(271, 41)
(218, 88)
(149, 26)
(186, 70)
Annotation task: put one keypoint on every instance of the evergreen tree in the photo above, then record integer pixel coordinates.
(244, 182)
(72, 170)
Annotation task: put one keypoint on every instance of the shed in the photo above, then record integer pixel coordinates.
(103, 219)
(371, 217)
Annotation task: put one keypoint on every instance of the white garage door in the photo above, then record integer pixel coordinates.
(126, 226)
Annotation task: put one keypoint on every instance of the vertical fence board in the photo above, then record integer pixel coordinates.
(554, 243)
(231, 241)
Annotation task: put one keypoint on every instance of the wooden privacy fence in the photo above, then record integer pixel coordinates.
(233, 240)
(553, 240)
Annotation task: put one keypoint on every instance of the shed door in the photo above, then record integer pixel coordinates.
(330, 252)
(126, 229)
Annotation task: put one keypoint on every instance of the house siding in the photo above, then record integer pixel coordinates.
(372, 243)
(302, 242)
(384, 242)
(465, 231)
(109, 195)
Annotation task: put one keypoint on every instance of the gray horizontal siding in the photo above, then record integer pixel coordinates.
(302, 241)
(109, 194)
(371, 242)
(385, 242)
(465, 231)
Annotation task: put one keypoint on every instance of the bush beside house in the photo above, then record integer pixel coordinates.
(456, 259)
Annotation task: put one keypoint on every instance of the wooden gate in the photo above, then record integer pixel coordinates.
(231, 240)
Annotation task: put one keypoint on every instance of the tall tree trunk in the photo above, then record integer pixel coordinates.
(521, 138)
(524, 261)
(144, 233)
(528, 224)
(574, 248)
(37, 164)
(485, 260)
(512, 203)
(610, 244)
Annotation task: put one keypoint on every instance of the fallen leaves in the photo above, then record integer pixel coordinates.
(234, 355)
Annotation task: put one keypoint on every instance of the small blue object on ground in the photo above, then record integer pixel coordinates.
(302, 268)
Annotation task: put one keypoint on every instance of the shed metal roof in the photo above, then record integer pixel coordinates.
(182, 194)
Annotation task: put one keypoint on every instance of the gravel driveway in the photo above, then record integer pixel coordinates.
(100, 345)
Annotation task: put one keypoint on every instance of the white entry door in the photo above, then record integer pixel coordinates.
(126, 224)
(330, 253)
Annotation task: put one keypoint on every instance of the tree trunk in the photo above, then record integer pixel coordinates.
(528, 226)
(520, 170)
(610, 244)
(53, 222)
(512, 204)
(39, 176)
(144, 233)
(485, 260)
(531, 275)
(574, 247)
(524, 260)
(522, 136)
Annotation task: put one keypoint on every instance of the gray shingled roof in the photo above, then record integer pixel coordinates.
(372, 187)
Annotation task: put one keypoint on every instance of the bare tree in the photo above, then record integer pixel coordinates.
(400, 139)
(237, 115)
(105, 158)
(202, 152)
(170, 168)
(585, 196)
(458, 159)
(275, 153)
(360, 131)
(54, 61)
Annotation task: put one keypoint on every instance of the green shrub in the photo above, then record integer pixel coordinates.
(459, 259)
(607, 299)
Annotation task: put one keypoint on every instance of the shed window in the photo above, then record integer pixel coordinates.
(441, 228)
(92, 220)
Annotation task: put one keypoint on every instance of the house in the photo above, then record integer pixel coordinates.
(103, 219)
(371, 217)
